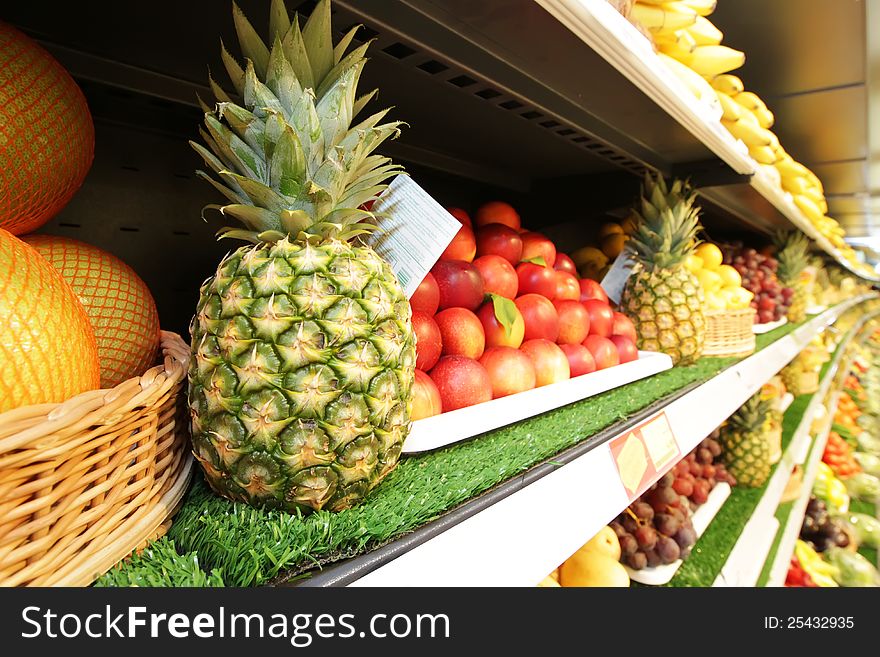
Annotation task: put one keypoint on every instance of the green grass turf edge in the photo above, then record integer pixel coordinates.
(710, 552)
(783, 513)
(860, 506)
(244, 546)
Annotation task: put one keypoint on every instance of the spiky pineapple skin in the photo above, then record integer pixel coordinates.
(666, 306)
(797, 311)
(302, 374)
(747, 456)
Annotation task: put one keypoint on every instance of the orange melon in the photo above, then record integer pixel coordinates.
(118, 303)
(47, 139)
(47, 346)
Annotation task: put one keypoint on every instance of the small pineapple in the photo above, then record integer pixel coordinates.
(301, 381)
(662, 297)
(747, 450)
(793, 257)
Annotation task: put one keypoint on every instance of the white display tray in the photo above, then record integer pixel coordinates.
(757, 329)
(815, 310)
(702, 517)
(455, 426)
(784, 402)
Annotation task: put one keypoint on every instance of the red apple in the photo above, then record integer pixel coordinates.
(429, 343)
(590, 289)
(497, 239)
(574, 321)
(580, 359)
(461, 333)
(498, 212)
(540, 317)
(626, 348)
(510, 370)
(551, 363)
(564, 263)
(426, 298)
(537, 245)
(601, 317)
(461, 382)
(459, 283)
(604, 351)
(567, 286)
(499, 276)
(623, 325)
(536, 279)
(462, 247)
(496, 334)
(426, 397)
(463, 217)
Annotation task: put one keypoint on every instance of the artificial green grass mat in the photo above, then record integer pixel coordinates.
(159, 564)
(248, 546)
(859, 506)
(710, 552)
(783, 512)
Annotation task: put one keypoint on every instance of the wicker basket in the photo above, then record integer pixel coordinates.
(85, 482)
(729, 333)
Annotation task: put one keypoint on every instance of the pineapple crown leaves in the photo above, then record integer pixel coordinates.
(793, 254)
(287, 159)
(666, 232)
(750, 416)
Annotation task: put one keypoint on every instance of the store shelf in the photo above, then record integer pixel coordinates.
(746, 559)
(759, 202)
(527, 526)
(792, 528)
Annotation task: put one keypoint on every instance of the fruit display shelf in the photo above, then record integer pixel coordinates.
(419, 528)
(742, 568)
(755, 199)
(713, 552)
(779, 557)
(464, 423)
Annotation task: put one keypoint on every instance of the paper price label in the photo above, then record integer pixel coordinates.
(414, 232)
(642, 453)
(617, 275)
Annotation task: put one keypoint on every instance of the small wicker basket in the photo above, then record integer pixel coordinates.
(729, 333)
(84, 482)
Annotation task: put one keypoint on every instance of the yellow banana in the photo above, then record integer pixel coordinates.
(749, 117)
(791, 169)
(589, 256)
(733, 111)
(810, 209)
(727, 84)
(750, 134)
(815, 196)
(669, 17)
(772, 172)
(702, 7)
(765, 118)
(763, 154)
(679, 49)
(823, 205)
(697, 85)
(750, 100)
(814, 180)
(709, 61)
(794, 184)
(704, 32)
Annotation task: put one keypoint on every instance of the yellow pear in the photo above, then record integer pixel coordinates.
(588, 568)
(605, 542)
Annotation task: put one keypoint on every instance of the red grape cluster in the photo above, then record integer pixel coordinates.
(758, 272)
(657, 528)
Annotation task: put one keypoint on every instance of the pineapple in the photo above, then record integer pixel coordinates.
(747, 452)
(662, 297)
(301, 380)
(793, 258)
